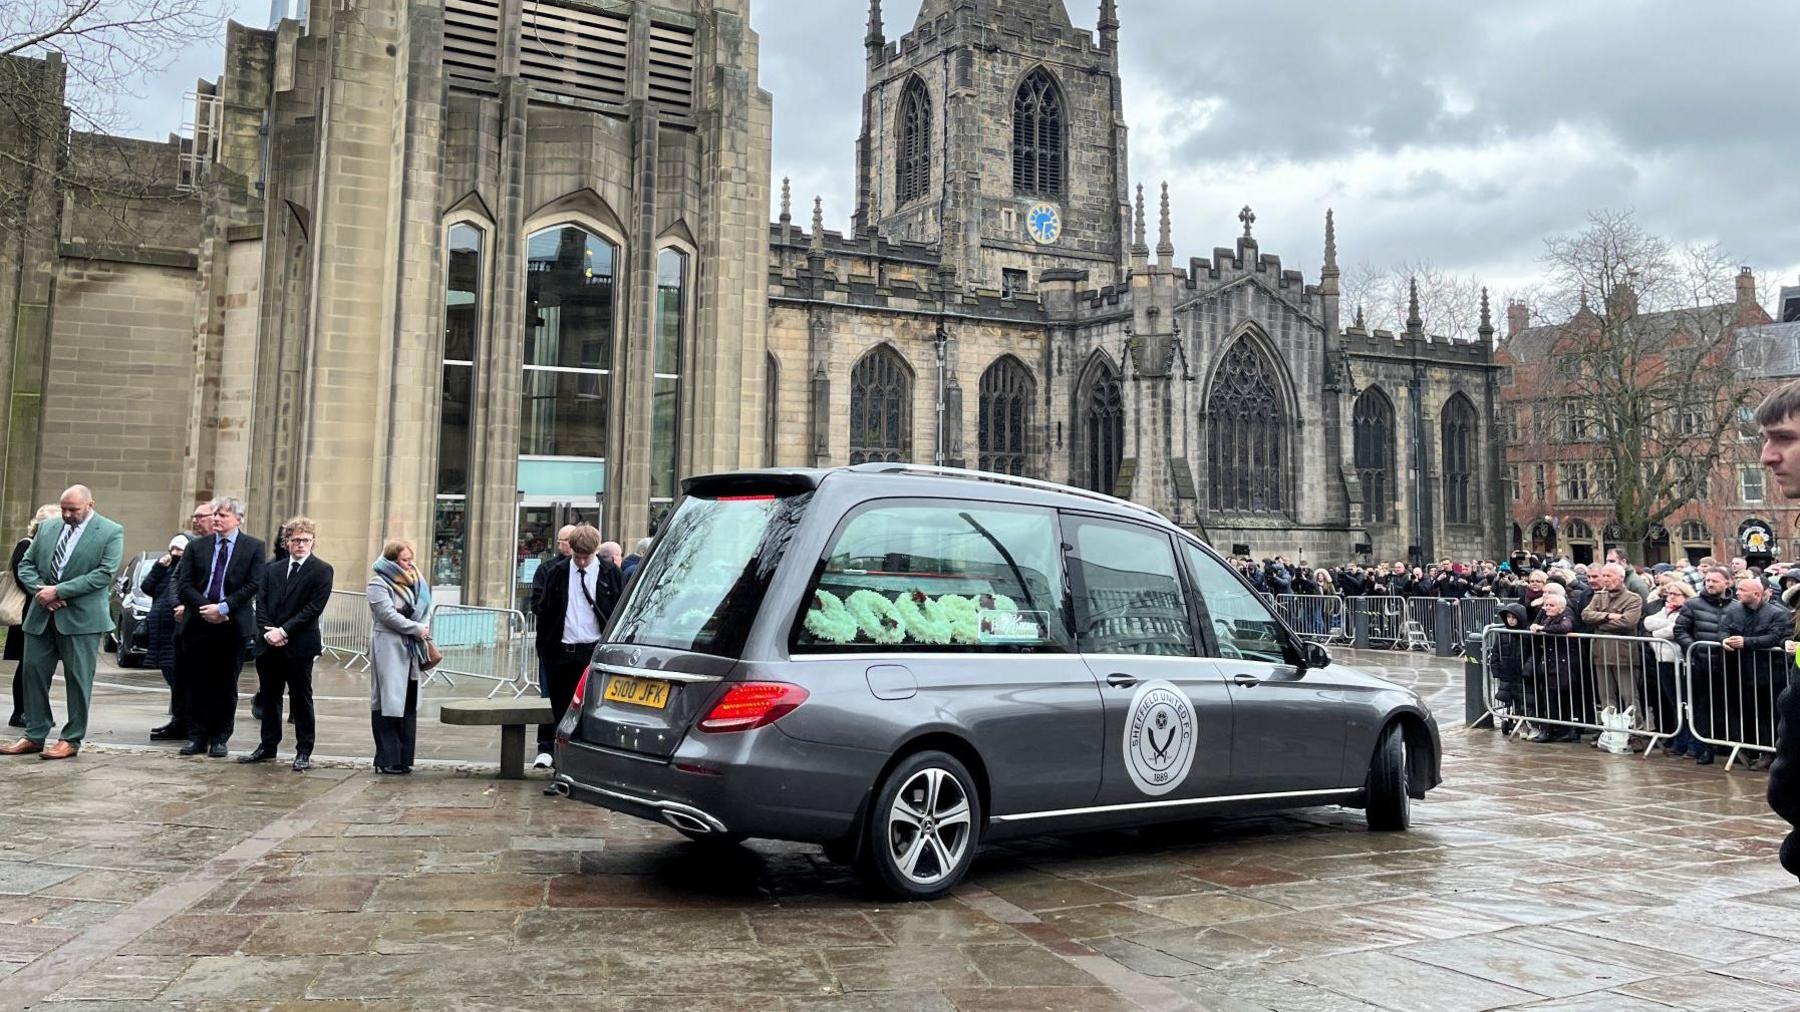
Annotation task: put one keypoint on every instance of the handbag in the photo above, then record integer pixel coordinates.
(12, 602)
(433, 657)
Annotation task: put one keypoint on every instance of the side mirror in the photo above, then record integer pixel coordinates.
(1316, 657)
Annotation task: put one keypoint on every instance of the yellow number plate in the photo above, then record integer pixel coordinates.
(637, 691)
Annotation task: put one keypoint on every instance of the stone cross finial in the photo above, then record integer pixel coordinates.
(1248, 217)
(1413, 322)
(1360, 325)
(1487, 317)
(1165, 243)
(818, 229)
(787, 200)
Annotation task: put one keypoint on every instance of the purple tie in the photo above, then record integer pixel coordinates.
(215, 590)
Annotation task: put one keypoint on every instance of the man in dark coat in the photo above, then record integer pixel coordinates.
(295, 590)
(218, 581)
(580, 592)
(159, 633)
(1755, 626)
(1702, 620)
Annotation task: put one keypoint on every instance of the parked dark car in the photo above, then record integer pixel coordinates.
(129, 608)
(901, 663)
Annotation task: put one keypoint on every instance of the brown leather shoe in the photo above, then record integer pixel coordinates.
(24, 746)
(60, 750)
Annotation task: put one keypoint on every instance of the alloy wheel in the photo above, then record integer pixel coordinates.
(929, 826)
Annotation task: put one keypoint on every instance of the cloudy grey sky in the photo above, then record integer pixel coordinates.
(1456, 133)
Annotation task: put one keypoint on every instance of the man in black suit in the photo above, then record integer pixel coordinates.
(295, 590)
(220, 576)
(579, 595)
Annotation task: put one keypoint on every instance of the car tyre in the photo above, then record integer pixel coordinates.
(922, 830)
(1388, 807)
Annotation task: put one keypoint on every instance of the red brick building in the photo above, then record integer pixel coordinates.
(1556, 473)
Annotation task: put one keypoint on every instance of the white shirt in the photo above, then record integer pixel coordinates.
(74, 539)
(579, 623)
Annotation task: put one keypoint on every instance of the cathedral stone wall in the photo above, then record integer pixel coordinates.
(116, 392)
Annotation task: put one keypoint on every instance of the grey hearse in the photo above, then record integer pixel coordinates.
(902, 662)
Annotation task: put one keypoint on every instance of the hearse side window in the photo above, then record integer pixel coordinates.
(1241, 622)
(939, 577)
(1128, 599)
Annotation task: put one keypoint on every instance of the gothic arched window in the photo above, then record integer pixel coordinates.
(1006, 392)
(1374, 453)
(1038, 137)
(1459, 461)
(1246, 435)
(1103, 428)
(881, 409)
(914, 170)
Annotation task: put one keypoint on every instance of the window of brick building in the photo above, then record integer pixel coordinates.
(1538, 482)
(1750, 483)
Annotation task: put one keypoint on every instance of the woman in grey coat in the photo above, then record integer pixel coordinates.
(400, 605)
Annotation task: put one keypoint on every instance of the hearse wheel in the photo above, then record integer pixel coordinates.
(922, 828)
(1388, 807)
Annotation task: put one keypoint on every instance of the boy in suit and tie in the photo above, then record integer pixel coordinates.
(294, 593)
(219, 578)
(68, 570)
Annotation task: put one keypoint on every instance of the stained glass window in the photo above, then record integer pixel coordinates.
(1246, 435)
(1038, 137)
(914, 169)
(1374, 452)
(1006, 393)
(1103, 428)
(1459, 461)
(880, 409)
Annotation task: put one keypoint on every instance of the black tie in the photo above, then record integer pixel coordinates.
(581, 578)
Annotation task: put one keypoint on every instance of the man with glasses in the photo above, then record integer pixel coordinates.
(289, 604)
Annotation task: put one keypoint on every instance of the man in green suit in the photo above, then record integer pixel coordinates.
(68, 570)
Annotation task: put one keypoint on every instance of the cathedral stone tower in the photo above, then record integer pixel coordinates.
(997, 128)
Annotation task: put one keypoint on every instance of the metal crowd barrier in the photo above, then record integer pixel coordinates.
(1562, 683)
(1475, 614)
(1730, 696)
(1378, 621)
(485, 643)
(1315, 617)
(345, 628)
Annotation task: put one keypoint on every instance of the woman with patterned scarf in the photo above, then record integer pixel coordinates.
(400, 604)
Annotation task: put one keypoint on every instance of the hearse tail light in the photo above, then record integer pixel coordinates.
(562, 736)
(750, 705)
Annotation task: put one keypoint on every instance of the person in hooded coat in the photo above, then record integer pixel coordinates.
(1506, 662)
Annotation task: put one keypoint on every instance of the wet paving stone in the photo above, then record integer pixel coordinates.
(1539, 877)
(22, 879)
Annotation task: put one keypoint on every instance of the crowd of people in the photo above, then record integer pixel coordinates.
(219, 596)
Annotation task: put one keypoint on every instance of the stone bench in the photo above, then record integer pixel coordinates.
(510, 716)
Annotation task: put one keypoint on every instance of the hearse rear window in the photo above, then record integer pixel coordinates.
(705, 578)
(939, 577)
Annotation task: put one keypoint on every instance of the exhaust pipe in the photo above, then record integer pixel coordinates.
(561, 789)
(686, 822)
